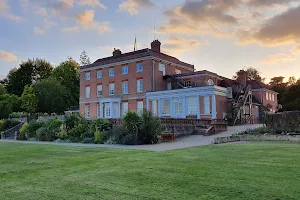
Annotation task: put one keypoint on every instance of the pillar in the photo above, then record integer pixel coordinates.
(111, 109)
(171, 107)
(213, 107)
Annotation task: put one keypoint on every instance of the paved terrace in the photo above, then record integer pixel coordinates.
(186, 142)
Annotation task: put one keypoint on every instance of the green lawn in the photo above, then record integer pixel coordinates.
(240, 171)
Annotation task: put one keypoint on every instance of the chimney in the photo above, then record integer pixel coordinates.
(242, 77)
(117, 52)
(155, 46)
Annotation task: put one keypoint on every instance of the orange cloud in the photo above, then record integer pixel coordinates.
(7, 57)
(131, 6)
(5, 13)
(278, 58)
(86, 20)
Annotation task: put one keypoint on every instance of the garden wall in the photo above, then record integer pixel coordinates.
(284, 121)
(238, 138)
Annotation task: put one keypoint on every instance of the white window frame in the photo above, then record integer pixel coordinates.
(154, 108)
(111, 89)
(125, 69)
(178, 107)
(140, 86)
(169, 86)
(206, 102)
(165, 107)
(139, 107)
(99, 88)
(87, 111)
(267, 96)
(273, 97)
(107, 110)
(124, 108)
(125, 87)
(99, 74)
(192, 107)
(88, 76)
(87, 92)
(111, 71)
(139, 67)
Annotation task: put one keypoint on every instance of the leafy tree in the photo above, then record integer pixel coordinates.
(8, 104)
(52, 96)
(252, 74)
(292, 80)
(84, 59)
(29, 99)
(26, 74)
(277, 84)
(67, 73)
(2, 89)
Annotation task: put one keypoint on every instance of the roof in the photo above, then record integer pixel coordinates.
(198, 73)
(136, 55)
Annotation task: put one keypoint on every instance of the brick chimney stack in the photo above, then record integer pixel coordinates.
(155, 46)
(242, 77)
(117, 52)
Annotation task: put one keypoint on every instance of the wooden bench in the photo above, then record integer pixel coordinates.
(170, 137)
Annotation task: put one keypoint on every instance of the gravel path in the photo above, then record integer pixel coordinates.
(186, 142)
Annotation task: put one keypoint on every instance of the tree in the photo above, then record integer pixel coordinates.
(277, 84)
(29, 99)
(67, 73)
(292, 80)
(252, 74)
(84, 59)
(8, 104)
(52, 96)
(2, 89)
(28, 73)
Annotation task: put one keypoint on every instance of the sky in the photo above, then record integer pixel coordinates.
(221, 36)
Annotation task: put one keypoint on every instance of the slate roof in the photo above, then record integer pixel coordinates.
(136, 55)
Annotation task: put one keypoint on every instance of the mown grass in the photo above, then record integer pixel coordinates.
(240, 171)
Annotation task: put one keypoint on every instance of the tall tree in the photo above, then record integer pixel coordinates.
(52, 96)
(252, 74)
(292, 80)
(278, 85)
(27, 73)
(29, 99)
(2, 89)
(67, 73)
(84, 59)
(8, 104)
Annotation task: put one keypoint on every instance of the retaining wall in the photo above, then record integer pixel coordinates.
(238, 138)
(284, 120)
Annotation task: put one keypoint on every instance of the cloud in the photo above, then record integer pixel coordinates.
(178, 45)
(7, 57)
(268, 3)
(131, 6)
(24, 4)
(206, 11)
(86, 20)
(296, 50)
(41, 11)
(183, 27)
(92, 3)
(39, 30)
(5, 12)
(278, 58)
(279, 30)
(71, 29)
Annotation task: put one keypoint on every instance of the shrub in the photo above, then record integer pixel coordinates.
(33, 126)
(131, 122)
(129, 139)
(42, 134)
(116, 134)
(18, 115)
(72, 120)
(23, 130)
(150, 128)
(9, 123)
(78, 133)
(98, 137)
(62, 133)
(99, 124)
(53, 129)
(88, 140)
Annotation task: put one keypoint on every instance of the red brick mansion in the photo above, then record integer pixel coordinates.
(149, 79)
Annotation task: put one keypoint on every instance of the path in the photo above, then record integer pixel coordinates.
(186, 142)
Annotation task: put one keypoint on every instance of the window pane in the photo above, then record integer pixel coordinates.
(125, 70)
(87, 92)
(87, 111)
(166, 106)
(88, 76)
(140, 85)
(139, 67)
(140, 107)
(111, 72)
(99, 74)
(99, 90)
(206, 105)
(125, 87)
(124, 108)
(111, 88)
(192, 105)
